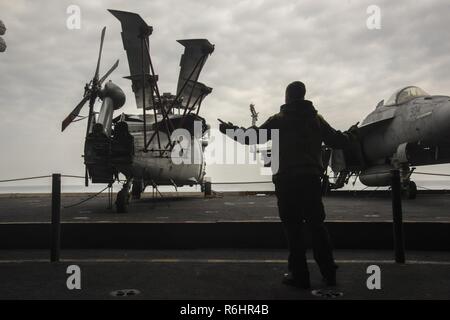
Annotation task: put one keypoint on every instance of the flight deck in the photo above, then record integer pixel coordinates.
(356, 220)
(228, 246)
(232, 206)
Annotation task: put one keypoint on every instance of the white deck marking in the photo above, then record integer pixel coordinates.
(224, 261)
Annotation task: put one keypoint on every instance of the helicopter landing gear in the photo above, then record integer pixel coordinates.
(325, 185)
(137, 189)
(123, 198)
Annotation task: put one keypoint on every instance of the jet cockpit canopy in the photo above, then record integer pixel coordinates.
(404, 95)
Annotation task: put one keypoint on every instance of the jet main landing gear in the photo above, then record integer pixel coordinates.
(409, 188)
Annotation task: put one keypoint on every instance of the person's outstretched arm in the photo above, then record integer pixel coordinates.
(251, 135)
(331, 137)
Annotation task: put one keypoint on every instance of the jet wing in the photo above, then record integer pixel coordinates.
(134, 28)
(377, 118)
(196, 52)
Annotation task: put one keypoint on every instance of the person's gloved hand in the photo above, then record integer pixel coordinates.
(353, 131)
(224, 126)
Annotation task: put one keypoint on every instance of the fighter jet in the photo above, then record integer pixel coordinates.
(140, 146)
(411, 128)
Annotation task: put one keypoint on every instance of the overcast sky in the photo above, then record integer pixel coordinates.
(260, 47)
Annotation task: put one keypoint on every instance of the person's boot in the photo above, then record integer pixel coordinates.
(329, 276)
(330, 280)
(302, 282)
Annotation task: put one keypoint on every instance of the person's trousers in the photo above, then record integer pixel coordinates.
(300, 207)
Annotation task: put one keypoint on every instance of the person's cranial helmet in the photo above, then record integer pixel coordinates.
(295, 91)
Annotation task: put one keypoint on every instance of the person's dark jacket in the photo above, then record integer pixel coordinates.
(301, 133)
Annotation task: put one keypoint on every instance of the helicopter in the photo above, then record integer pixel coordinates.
(145, 147)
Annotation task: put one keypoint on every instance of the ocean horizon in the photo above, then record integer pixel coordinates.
(80, 188)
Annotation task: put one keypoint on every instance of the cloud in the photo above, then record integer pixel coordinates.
(261, 46)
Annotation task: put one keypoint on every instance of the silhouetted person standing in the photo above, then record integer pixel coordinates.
(298, 182)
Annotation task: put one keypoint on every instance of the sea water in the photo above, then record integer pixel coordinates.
(71, 187)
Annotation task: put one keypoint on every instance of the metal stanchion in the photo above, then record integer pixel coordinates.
(399, 242)
(56, 218)
(207, 186)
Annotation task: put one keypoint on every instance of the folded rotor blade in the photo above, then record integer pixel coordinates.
(196, 52)
(97, 70)
(195, 91)
(74, 113)
(134, 30)
(115, 65)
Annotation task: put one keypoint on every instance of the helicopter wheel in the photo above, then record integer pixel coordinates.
(325, 185)
(122, 201)
(411, 190)
(136, 190)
